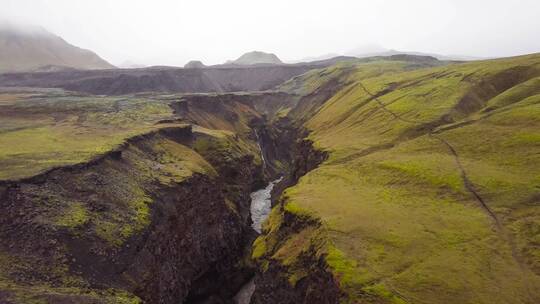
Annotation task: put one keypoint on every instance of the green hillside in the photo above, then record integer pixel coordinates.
(428, 190)
(431, 189)
(87, 184)
(39, 131)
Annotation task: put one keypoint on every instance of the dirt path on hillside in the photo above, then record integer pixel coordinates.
(469, 186)
(466, 181)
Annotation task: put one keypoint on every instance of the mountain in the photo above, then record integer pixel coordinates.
(315, 58)
(373, 51)
(194, 64)
(257, 57)
(327, 61)
(160, 78)
(438, 56)
(193, 78)
(27, 48)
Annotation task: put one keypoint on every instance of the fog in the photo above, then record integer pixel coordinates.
(171, 32)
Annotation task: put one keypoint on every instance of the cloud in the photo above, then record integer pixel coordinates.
(167, 32)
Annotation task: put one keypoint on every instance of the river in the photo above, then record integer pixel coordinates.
(261, 204)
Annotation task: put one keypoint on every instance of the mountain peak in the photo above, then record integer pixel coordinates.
(29, 48)
(257, 57)
(194, 64)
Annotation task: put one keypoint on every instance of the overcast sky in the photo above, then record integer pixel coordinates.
(169, 32)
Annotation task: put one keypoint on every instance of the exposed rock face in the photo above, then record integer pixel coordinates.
(79, 220)
(192, 79)
(301, 250)
(282, 284)
(279, 283)
(257, 57)
(190, 249)
(194, 64)
(173, 80)
(246, 114)
(83, 223)
(30, 48)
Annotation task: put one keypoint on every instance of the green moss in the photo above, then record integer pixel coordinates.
(439, 171)
(392, 198)
(76, 215)
(38, 289)
(259, 248)
(112, 199)
(515, 94)
(295, 209)
(344, 268)
(264, 244)
(44, 294)
(297, 276)
(108, 232)
(382, 291)
(283, 112)
(526, 138)
(274, 220)
(50, 131)
(123, 297)
(221, 145)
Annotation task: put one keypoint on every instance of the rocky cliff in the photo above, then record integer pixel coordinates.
(127, 225)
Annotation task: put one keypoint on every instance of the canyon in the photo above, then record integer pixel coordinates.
(359, 181)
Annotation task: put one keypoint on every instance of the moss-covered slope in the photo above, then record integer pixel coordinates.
(114, 200)
(43, 130)
(430, 192)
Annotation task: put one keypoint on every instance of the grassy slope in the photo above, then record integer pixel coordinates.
(41, 131)
(27, 279)
(401, 222)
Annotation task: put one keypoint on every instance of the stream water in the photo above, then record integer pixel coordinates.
(261, 204)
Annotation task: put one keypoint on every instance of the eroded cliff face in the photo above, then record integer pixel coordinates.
(410, 185)
(165, 217)
(286, 153)
(289, 253)
(291, 265)
(164, 79)
(147, 221)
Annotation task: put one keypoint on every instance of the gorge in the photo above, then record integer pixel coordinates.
(375, 171)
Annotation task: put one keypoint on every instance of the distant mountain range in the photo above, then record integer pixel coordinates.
(372, 50)
(377, 51)
(395, 52)
(35, 49)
